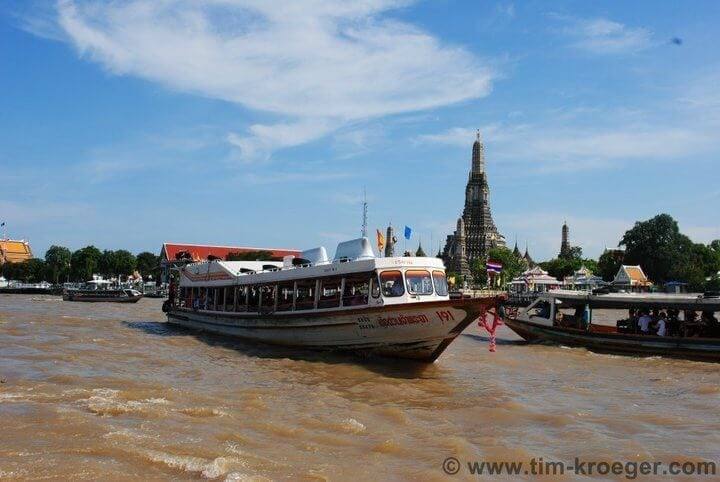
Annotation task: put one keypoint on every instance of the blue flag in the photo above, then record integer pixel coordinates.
(408, 232)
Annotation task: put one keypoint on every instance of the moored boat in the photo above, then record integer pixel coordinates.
(99, 290)
(565, 317)
(395, 306)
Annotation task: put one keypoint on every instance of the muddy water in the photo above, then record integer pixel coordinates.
(103, 391)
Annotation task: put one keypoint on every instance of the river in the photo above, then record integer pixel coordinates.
(110, 391)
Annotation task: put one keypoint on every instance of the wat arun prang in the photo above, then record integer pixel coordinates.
(476, 233)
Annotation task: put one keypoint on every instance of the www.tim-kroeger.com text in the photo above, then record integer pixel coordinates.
(539, 466)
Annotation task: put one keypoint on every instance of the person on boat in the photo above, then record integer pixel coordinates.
(544, 310)
(661, 324)
(712, 328)
(644, 323)
(690, 326)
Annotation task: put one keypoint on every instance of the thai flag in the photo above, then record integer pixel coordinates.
(493, 266)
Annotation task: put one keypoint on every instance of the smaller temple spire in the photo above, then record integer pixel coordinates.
(565, 242)
(516, 251)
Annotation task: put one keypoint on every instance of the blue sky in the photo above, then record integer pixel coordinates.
(126, 124)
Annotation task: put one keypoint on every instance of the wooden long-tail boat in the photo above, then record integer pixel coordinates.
(565, 318)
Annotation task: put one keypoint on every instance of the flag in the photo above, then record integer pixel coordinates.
(380, 240)
(493, 266)
(408, 232)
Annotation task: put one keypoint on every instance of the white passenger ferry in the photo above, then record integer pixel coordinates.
(396, 306)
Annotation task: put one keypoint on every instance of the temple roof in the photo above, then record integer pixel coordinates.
(200, 252)
(14, 251)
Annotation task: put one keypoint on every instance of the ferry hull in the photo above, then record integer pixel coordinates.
(102, 299)
(418, 331)
(704, 349)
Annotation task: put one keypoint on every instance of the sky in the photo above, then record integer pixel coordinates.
(126, 124)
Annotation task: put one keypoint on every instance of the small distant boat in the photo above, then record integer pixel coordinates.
(565, 318)
(99, 290)
(395, 306)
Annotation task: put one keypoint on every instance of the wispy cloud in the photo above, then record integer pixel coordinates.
(315, 64)
(604, 36)
(678, 128)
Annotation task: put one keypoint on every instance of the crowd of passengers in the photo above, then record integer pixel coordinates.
(657, 322)
(670, 322)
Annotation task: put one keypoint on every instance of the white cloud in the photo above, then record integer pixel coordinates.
(596, 139)
(603, 36)
(455, 136)
(315, 64)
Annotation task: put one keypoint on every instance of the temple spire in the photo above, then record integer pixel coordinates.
(478, 156)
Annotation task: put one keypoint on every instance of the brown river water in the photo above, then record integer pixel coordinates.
(110, 391)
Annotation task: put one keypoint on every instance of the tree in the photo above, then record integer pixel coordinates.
(609, 263)
(125, 263)
(478, 270)
(58, 262)
(107, 264)
(84, 262)
(148, 264)
(657, 245)
(561, 267)
(251, 256)
(574, 252)
(33, 270)
(512, 266)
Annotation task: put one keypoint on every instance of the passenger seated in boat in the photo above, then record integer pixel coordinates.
(711, 328)
(644, 323)
(691, 326)
(661, 324)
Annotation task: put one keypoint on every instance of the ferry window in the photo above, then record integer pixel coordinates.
(253, 298)
(391, 283)
(229, 298)
(374, 287)
(212, 298)
(356, 290)
(267, 298)
(440, 281)
(305, 295)
(285, 296)
(418, 282)
(330, 292)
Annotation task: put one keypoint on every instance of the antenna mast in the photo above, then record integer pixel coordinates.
(364, 223)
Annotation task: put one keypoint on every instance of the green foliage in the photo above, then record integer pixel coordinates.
(125, 263)
(148, 264)
(658, 246)
(665, 254)
(561, 267)
(84, 263)
(512, 265)
(609, 264)
(33, 270)
(575, 252)
(478, 270)
(57, 259)
(251, 256)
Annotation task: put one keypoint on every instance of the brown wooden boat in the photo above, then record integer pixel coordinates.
(565, 318)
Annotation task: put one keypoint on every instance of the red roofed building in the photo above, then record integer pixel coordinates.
(175, 254)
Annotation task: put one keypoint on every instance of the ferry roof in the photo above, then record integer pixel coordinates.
(219, 273)
(682, 301)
